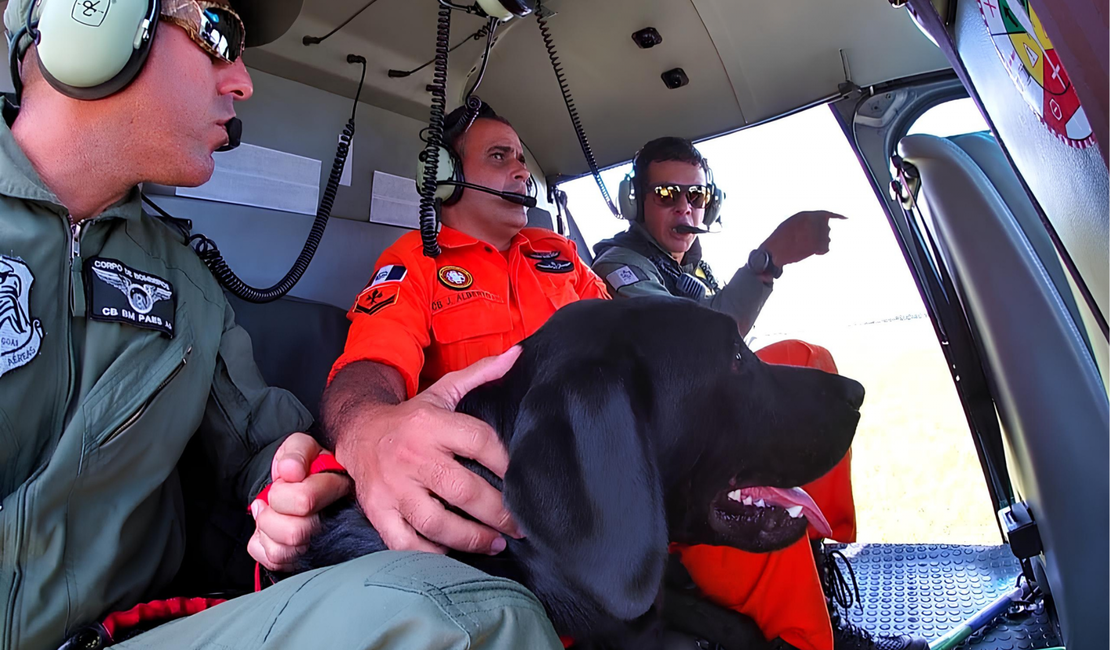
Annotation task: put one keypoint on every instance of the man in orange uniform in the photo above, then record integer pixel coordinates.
(388, 410)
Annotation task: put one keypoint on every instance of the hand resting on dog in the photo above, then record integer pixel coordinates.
(402, 457)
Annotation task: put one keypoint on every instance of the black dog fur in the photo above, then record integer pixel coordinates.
(627, 423)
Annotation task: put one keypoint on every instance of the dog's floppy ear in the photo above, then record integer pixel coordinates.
(583, 485)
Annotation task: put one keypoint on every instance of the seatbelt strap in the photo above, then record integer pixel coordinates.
(957, 343)
(561, 206)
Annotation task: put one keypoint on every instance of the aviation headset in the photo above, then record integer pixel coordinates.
(450, 182)
(506, 9)
(90, 49)
(631, 194)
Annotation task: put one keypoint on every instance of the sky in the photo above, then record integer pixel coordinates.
(769, 172)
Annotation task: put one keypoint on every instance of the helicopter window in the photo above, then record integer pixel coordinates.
(953, 117)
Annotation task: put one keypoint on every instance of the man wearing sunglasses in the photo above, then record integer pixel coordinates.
(789, 593)
(672, 198)
(128, 395)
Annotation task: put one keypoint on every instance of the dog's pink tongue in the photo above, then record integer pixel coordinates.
(789, 497)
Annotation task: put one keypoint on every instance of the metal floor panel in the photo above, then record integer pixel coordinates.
(927, 589)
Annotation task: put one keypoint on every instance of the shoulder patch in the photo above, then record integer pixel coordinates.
(624, 276)
(20, 333)
(375, 299)
(389, 273)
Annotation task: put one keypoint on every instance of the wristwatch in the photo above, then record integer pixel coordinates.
(760, 263)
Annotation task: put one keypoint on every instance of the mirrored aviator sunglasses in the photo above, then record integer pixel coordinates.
(667, 195)
(215, 27)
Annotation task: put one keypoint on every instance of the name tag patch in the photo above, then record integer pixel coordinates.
(450, 300)
(555, 266)
(120, 294)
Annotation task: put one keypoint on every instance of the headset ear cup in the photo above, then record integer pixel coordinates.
(628, 204)
(94, 54)
(450, 169)
(713, 210)
(506, 9)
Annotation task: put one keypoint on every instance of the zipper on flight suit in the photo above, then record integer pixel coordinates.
(134, 417)
(76, 286)
(74, 231)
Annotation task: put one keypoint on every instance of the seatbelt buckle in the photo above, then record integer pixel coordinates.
(88, 637)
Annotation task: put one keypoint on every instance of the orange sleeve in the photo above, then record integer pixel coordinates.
(391, 319)
(590, 285)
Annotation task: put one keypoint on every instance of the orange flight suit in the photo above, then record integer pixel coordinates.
(429, 316)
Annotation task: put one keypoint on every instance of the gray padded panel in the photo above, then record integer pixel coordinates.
(539, 218)
(575, 235)
(1050, 397)
(261, 245)
(984, 150)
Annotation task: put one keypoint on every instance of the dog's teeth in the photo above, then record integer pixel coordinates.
(795, 511)
(760, 504)
(747, 501)
(734, 495)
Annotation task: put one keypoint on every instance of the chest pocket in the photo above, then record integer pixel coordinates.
(476, 317)
(558, 287)
(464, 333)
(132, 383)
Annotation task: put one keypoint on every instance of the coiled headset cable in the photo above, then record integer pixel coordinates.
(209, 253)
(434, 135)
(575, 120)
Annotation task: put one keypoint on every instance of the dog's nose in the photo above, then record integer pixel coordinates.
(853, 392)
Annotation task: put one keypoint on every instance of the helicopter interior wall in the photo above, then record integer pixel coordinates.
(1001, 281)
(746, 61)
(1069, 181)
(261, 244)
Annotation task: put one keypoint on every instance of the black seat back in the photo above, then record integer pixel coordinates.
(295, 343)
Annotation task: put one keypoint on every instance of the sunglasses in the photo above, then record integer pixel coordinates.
(215, 27)
(667, 195)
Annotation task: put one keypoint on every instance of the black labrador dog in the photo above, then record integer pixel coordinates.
(630, 424)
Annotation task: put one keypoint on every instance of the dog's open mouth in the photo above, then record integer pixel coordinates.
(761, 519)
